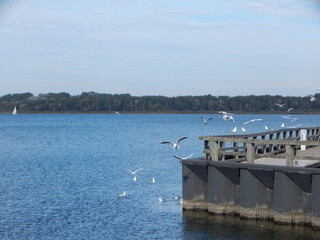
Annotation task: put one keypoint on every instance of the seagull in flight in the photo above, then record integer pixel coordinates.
(205, 120)
(290, 118)
(295, 126)
(226, 116)
(183, 158)
(243, 130)
(286, 117)
(175, 145)
(234, 130)
(280, 104)
(253, 120)
(133, 172)
(290, 109)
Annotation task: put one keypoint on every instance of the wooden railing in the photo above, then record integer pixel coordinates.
(248, 147)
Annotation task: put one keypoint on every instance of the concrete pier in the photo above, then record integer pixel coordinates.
(241, 183)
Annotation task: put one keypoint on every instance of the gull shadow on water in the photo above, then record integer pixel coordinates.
(203, 225)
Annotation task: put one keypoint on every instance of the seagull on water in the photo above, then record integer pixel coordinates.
(252, 120)
(133, 172)
(282, 125)
(267, 128)
(205, 120)
(175, 145)
(123, 195)
(153, 180)
(183, 158)
(134, 178)
(176, 198)
(161, 199)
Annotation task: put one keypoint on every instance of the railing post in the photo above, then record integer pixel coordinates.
(250, 153)
(222, 145)
(289, 155)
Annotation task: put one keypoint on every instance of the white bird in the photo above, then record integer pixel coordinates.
(133, 172)
(286, 117)
(205, 120)
(290, 109)
(295, 126)
(116, 112)
(134, 178)
(267, 128)
(223, 112)
(312, 99)
(291, 119)
(280, 104)
(183, 158)
(282, 125)
(175, 145)
(176, 198)
(234, 130)
(153, 180)
(227, 116)
(253, 120)
(123, 195)
(161, 199)
(243, 130)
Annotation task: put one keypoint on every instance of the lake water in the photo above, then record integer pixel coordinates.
(60, 176)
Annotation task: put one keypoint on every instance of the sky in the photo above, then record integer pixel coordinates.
(160, 47)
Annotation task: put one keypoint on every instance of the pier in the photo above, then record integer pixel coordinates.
(272, 175)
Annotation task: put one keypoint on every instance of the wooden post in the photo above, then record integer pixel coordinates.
(215, 151)
(290, 155)
(206, 146)
(250, 153)
(222, 145)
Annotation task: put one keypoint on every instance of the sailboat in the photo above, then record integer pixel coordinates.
(14, 112)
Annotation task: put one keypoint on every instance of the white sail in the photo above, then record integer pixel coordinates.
(14, 112)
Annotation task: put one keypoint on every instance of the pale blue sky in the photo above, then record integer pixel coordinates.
(160, 47)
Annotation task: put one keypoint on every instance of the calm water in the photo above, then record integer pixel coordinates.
(60, 176)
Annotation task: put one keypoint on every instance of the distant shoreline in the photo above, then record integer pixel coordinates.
(168, 112)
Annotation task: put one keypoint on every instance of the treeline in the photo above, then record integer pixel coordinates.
(100, 102)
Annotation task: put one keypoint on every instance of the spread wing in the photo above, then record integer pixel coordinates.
(247, 122)
(129, 171)
(165, 142)
(180, 139)
(138, 170)
(180, 158)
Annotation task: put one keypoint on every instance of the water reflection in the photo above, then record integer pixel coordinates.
(202, 225)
